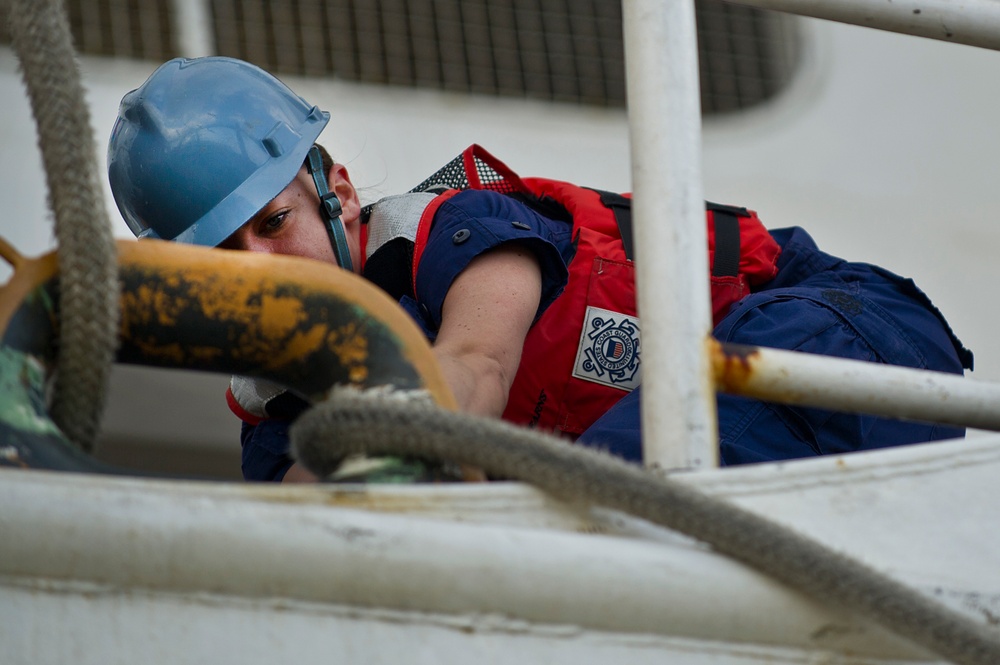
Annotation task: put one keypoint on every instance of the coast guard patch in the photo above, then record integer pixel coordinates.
(609, 349)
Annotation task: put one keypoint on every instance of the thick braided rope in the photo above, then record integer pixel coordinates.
(353, 422)
(88, 281)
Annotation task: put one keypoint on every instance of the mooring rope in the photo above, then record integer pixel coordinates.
(374, 423)
(88, 279)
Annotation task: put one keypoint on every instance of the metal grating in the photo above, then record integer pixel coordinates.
(560, 50)
(123, 28)
(746, 55)
(551, 49)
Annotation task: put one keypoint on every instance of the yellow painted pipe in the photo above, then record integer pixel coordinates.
(302, 323)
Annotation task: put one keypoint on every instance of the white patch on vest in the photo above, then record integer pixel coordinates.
(254, 394)
(609, 349)
(395, 217)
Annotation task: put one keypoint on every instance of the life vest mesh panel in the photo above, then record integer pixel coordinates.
(453, 176)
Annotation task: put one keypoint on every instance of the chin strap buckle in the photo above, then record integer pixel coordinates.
(331, 210)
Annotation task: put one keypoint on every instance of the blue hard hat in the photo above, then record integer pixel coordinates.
(203, 145)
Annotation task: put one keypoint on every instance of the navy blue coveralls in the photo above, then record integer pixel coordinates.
(820, 304)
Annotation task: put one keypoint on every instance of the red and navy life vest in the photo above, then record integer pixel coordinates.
(583, 354)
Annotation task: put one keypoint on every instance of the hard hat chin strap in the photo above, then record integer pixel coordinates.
(330, 209)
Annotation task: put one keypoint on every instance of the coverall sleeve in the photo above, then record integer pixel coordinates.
(474, 222)
(823, 305)
(265, 450)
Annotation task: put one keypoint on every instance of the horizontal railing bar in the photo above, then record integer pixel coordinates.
(855, 386)
(971, 22)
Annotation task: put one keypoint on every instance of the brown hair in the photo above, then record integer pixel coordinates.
(325, 156)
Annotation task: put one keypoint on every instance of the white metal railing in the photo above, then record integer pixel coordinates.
(971, 22)
(678, 397)
(681, 372)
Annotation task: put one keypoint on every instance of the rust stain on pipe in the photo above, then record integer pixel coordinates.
(733, 365)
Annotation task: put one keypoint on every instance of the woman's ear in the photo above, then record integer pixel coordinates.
(339, 182)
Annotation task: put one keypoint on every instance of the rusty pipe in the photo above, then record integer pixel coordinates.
(856, 386)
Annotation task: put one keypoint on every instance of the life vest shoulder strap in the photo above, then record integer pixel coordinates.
(725, 227)
(739, 245)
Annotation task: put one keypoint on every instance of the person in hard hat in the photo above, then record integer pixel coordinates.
(524, 286)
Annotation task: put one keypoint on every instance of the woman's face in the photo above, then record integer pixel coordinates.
(291, 223)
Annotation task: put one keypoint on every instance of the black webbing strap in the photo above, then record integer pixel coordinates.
(727, 231)
(329, 206)
(727, 239)
(621, 206)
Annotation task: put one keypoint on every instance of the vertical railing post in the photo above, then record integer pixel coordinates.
(193, 22)
(664, 115)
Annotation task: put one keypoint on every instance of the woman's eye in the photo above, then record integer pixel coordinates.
(274, 222)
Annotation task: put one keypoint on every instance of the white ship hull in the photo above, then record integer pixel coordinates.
(103, 570)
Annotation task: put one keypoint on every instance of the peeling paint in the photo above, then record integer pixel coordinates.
(733, 365)
(351, 348)
(295, 322)
(296, 346)
(280, 316)
(259, 323)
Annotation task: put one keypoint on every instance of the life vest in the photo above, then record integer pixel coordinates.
(583, 354)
